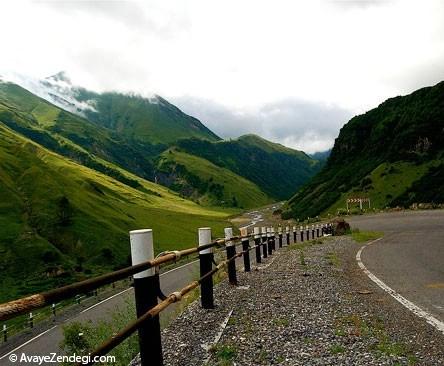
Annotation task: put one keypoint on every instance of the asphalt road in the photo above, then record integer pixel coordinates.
(410, 256)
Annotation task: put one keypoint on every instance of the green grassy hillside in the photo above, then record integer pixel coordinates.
(152, 120)
(96, 147)
(207, 183)
(393, 154)
(275, 169)
(71, 135)
(61, 221)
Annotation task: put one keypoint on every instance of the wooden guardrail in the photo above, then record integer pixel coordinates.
(147, 283)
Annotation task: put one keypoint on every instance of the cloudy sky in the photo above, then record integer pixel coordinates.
(291, 71)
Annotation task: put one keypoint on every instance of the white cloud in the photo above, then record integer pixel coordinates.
(243, 55)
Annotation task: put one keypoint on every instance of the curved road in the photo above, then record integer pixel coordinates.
(410, 256)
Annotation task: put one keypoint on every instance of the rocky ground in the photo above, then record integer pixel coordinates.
(305, 305)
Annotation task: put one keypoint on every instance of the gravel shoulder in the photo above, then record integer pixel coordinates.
(305, 305)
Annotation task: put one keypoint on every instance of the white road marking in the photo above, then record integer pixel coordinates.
(429, 318)
(24, 344)
(218, 336)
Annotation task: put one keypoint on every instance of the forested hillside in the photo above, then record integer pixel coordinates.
(393, 154)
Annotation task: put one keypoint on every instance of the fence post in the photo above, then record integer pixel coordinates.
(53, 308)
(264, 241)
(302, 233)
(245, 248)
(257, 243)
(295, 234)
(146, 287)
(312, 231)
(287, 234)
(317, 230)
(231, 252)
(273, 239)
(269, 243)
(206, 265)
(5, 333)
(280, 236)
(274, 236)
(307, 229)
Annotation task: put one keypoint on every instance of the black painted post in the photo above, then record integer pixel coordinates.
(231, 252)
(301, 229)
(257, 243)
(273, 239)
(206, 265)
(287, 233)
(245, 249)
(269, 241)
(295, 234)
(146, 288)
(280, 236)
(5, 333)
(312, 231)
(307, 230)
(317, 230)
(264, 241)
(31, 321)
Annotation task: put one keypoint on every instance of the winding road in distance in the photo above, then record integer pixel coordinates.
(410, 257)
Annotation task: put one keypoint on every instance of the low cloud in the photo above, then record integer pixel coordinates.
(299, 124)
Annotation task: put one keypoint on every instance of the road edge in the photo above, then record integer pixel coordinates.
(429, 318)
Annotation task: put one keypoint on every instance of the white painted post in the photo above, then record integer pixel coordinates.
(206, 265)
(269, 244)
(146, 290)
(231, 252)
(257, 243)
(264, 241)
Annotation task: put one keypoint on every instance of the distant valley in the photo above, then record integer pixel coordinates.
(79, 169)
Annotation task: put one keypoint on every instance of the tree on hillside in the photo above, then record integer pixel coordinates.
(64, 212)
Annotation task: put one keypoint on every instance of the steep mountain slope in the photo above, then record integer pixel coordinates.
(153, 120)
(122, 129)
(71, 135)
(275, 169)
(61, 221)
(393, 154)
(96, 146)
(207, 183)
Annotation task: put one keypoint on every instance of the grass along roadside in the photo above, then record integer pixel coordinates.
(373, 328)
(363, 236)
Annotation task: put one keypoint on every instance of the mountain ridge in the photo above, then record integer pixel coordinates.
(110, 130)
(388, 154)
